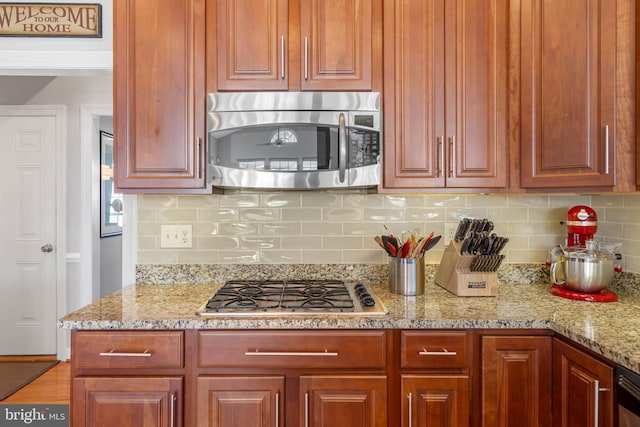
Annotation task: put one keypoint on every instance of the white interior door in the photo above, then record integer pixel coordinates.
(27, 235)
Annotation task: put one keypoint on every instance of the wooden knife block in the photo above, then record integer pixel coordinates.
(454, 275)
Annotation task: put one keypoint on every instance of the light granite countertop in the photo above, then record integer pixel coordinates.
(609, 329)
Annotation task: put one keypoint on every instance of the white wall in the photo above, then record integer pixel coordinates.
(73, 92)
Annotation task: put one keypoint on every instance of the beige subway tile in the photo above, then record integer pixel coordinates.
(621, 215)
(342, 214)
(568, 200)
(501, 215)
(280, 257)
(206, 229)
(321, 257)
(344, 243)
(314, 199)
(281, 229)
(239, 257)
(632, 263)
(381, 215)
(259, 242)
(216, 242)
(301, 214)
(177, 214)
(528, 227)
(147, 215)
(198, 257)
(148, 229)
(259, 214)
(218, 215)
(199, 201)
(363, 201)
(239, 201)
(321, 228)
(159, 201)
(281, 200)
(600, 201)
(363, 229)
(446, 201)
(162, 256)
(361, 256)
(238, 229)
(527, 201)
(527, 256)
(630, 201)
(301, 242)
(488, 201)
(148, 243)
(425, 214)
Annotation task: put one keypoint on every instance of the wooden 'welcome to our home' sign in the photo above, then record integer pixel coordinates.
(50, 19)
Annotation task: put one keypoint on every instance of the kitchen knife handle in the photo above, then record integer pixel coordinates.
(113, 353)
(306, 58)
(282, 57)
(291, 353)
(342, 148)
(444, 352)
(410, 399)
(606, 149)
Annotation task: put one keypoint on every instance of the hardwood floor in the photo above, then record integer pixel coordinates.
(51, 387)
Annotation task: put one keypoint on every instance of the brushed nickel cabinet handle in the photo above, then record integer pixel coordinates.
(452, 153)
(173, 409)
(444, 352)
(200, 158)
(291, 353)
(306, 58)
(282, 57)
(277, 410)
(306, 410)
(439, 140)
(606, 149)
(410, 398)
(113, 353)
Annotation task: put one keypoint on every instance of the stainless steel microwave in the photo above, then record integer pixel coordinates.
(294, 140)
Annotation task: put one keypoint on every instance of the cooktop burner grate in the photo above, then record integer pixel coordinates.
(292, 296)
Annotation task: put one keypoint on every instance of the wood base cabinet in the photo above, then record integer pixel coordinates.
(127, 401)
(240, 401)
(516, 381)
(582, 388)
(435, 400)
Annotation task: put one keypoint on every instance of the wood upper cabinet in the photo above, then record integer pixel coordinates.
(516, 381)
(568, 93)
(445, 104)
(159, 96)
(582, 388)
(294, 45)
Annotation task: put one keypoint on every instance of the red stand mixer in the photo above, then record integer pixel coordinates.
(581, 270)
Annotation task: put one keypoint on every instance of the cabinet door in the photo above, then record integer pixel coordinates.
(476, 129)
(336, 41)
(435, 400)
(516, 381)
(159, 94)
(446, 94)
(348, 400)
(568, 93)
(582, 388)
(126, 401)
(252, 40)
(233, 401)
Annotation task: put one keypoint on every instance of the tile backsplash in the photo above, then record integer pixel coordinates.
(335, 227)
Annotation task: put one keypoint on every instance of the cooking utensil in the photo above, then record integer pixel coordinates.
(430, 245)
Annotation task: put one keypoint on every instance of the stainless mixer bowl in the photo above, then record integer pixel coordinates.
(584, 271)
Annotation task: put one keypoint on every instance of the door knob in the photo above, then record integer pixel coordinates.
(47, 248)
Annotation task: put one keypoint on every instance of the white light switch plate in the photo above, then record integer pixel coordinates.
(176, 236)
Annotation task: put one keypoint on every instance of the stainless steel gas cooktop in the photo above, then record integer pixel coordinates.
(293, 297)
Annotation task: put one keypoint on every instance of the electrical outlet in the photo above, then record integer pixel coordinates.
(449, 232)
(176, 236)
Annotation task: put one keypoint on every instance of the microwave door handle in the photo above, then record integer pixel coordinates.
(342, 147)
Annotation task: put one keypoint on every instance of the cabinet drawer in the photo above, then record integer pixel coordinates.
(292, 349)
(128, 349)
(433, 349)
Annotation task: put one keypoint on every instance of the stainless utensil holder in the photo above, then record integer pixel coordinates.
(406, 276)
